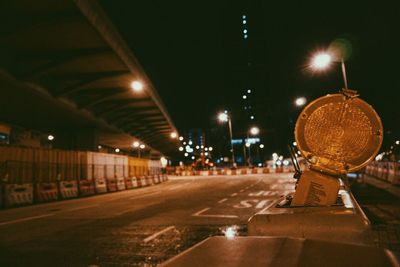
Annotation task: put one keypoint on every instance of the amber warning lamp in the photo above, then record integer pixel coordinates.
(336, 134)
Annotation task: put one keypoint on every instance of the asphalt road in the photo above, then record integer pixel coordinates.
(140, 227)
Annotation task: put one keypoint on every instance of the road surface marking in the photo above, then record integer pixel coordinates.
(81, 208)
(199, 214)
(27, 219)
(153, 236)
(222, 200)
(241, 191)
(249, 203)
(234, 194)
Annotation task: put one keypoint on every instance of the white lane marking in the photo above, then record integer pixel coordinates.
(234, 194)
(241, 191)
(153, 236)
(199, 214)
(222, 200)
(125, 211)
(81, 208)
(145, 195)
(249, 203)
(27, 219)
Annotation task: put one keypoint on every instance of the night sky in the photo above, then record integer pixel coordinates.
(196, 56)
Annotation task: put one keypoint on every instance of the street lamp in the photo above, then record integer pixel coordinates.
(300, 101)
(322, 60)
(253, 131)
(137, 86)
(223, 117)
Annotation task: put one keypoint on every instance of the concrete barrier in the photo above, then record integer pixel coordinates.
(344, 222)
(100, 185)
(86, 188)
(129, 182)
(18, 194)
(111, 185)
(46, 192)
(68, 189)
(221, 251)
(120, 181)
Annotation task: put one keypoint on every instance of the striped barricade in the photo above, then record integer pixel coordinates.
(68, 189)
(111, 185)
(243, 171)
(86, 188)
(279, 170)
(121, 183)
(254, 171)
(143, 181)
(100, 185)
(394, 172)
(266, 170)
(129, 182)
(18, 194)
(233, 172)
(149, 180)
(46, 192)
(136, 182)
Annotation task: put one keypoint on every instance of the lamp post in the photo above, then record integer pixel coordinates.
(223, 117)
(322, 60)
(253, 131)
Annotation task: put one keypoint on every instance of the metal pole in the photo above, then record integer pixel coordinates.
(230, 134)
(344, 74)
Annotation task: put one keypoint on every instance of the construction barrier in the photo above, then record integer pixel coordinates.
(46, 192)
(394, 172)
(100, 185)
(68, 189)
(111, 185)
(148, 180)
(136, 182)
(121, 183)
(143, 181)
(233, 172)
(86, 188)
(18, 194)
(129, 182)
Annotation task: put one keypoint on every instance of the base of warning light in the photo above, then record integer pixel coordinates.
(344, 222)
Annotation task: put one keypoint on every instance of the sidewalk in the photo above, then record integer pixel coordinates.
(381, 203)
(392, 189)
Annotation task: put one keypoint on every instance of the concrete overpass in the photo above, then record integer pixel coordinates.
(65, 70)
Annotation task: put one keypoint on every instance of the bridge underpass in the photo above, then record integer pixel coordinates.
(66, 71)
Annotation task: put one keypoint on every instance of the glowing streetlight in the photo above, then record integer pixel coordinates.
(181, 148)
(135, 144)
(322, 60)
(254, 130)
(300, 101)
(223, 117)
(137, 86)
(117, 150)
(142, 146)
(174, 135)
(180, 138)
(261, 145)
(50, 137)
